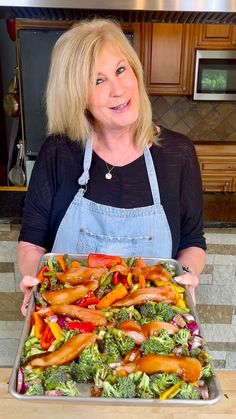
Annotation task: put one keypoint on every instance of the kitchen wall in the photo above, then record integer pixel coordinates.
(216, 296)
(199, 120)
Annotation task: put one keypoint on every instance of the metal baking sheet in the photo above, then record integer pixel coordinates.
(215, 392)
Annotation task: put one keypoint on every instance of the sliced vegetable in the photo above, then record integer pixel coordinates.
(82, 327)
(56, 330)
(88, 300)
(47, 338)
(119, 292)
(61, 261)
(41, 273)
(39, 324)
(96, 260)
(172, 391)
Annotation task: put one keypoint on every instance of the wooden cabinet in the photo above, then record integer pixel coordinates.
(218, 167)
(210, 36)
(167, 55)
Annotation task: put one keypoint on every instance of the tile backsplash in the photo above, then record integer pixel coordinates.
(199, 120)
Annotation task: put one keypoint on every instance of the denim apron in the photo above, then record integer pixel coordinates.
(89, 227)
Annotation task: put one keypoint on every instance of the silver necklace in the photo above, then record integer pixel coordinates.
(108, 175)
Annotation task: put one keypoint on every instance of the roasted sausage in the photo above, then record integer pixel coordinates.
(70, 295)
(189, 369)
(66, 353)
(80, 275)
(154, 327)
(96, 317)
(143, 295)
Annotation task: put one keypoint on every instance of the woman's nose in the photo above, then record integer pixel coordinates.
(116, 87)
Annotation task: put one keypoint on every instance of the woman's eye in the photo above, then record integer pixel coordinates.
(99, 81)
(120, 70)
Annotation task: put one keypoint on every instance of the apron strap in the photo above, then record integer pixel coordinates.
(152, 176)
(84, 178)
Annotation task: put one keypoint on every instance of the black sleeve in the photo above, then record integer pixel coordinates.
(53, 184)
(191, 200)
(180, 186)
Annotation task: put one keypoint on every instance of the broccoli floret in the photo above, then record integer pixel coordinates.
(117, 344)
(123, 388)
(182, 337)
(54, 376)
(155, 311)
(207, 371)
(31, 374)
(161, 382)
(148, 311)
(127, 313)
(188, 392)
(164, 311)
(89, 360)
(204, 357)
(68, 388)
(143, 389)
(162, 344)
(103, 373)
(35, 389)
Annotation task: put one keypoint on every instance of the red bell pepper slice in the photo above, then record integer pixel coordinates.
(88, 300)
(47, 338)
(82, 327)
(41, 273)
(96, 260)
(118, 278)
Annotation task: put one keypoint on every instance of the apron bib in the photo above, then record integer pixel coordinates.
(89, 227)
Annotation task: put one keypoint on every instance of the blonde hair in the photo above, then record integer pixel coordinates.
(73, 69)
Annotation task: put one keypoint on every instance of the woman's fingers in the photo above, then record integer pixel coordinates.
(26, 286)
(191, 282)
(187, 279)
(26, 301)
(28, 282)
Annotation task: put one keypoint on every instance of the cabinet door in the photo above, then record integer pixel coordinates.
(216, 36)
(167, 52)
(218, 183)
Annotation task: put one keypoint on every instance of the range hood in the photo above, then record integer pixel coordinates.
(175, 11)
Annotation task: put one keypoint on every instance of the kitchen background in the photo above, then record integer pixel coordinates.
(206, 123)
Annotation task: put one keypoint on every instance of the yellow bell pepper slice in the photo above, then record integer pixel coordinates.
(172, 391)
(56, 330)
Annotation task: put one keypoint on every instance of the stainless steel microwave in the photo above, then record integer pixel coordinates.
(215, 75)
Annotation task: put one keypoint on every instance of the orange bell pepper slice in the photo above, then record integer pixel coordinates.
(118, 293)
(61, 261)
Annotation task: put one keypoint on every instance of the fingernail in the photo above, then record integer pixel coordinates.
(35, 281)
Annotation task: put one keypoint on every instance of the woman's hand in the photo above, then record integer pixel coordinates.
(26, 287)
(191, 281)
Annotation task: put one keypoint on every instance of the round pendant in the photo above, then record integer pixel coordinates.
(108, 175)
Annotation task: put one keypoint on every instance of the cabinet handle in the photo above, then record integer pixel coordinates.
(232, 167)
(184, 89)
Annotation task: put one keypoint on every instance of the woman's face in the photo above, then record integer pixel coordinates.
(114, 102)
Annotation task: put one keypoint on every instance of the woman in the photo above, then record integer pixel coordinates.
(106, 179)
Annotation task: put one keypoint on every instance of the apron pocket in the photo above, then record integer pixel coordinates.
(90, 242)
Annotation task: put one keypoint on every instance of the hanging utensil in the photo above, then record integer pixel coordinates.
(16, 174)
(11, 101)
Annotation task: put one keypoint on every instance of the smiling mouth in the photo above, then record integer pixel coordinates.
(121, 107)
